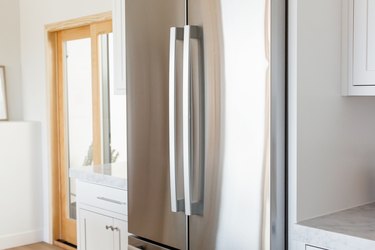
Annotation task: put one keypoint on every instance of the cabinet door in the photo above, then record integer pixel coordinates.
(121, 234)
(364, 43)
(95, 231)
(358, 48)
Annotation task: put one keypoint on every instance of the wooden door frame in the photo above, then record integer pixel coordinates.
(51, 31)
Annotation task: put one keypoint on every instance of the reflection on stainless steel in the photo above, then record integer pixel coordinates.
(147, 47)
(207, 15)
(194, 183)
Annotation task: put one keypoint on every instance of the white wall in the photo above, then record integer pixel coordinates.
(335, 135)
(10, 55)
(34, 15)
(21, 211)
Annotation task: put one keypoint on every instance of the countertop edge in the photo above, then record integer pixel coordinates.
(328, 239)
(98, 178)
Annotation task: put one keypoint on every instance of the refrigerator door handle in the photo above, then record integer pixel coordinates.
(175, 34)
(196, 207)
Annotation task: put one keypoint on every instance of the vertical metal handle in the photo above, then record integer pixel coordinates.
(190, 32)
(175, 34)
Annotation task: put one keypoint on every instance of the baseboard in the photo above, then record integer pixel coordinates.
(20, 239)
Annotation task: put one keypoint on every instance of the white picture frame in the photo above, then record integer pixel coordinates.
(3, 96)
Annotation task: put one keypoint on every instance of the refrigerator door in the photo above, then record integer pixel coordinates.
(147, 58)
(236, 177)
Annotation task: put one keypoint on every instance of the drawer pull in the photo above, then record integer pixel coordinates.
(112, 228)
(112, 201)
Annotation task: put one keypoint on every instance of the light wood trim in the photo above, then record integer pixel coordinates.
(101, 28)
(74, 34)
(68, 226)
(54, 135)
(78, 22)
(55, 110)
(96, 30)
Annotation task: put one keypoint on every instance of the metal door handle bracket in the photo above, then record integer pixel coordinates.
(191, 32)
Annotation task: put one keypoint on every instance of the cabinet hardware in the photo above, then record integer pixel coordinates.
(109, 227)
(111, 200)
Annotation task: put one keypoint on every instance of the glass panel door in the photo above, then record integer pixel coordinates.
(113, 106)
(85, 101)
(75, 133)
(79, 109)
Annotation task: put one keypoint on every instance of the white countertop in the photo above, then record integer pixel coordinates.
(111, 175)
(345, 230)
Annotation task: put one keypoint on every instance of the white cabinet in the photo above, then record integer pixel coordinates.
(92, 227)
(102, 217)
(121, 234)
(358, 48)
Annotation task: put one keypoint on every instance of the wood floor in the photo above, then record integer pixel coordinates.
(38, 246)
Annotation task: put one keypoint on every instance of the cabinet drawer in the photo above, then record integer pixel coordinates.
(309, 247)
(111, 199)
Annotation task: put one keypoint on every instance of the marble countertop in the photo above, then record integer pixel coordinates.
(348, 229)
(357, 222)
(111, 175)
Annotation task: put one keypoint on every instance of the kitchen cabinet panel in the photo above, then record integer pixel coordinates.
(102, 217)
(95, 231)
(106, 198)
(120, 234)
(363, 49)
(358, 61)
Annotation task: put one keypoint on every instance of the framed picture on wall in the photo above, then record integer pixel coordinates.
(3, 97)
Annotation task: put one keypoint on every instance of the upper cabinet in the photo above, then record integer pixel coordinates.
(358, 45)
(119, 46)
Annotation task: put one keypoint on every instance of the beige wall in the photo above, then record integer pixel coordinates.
(21, 216)
(10, 55)
(332, 157)
(34, 15)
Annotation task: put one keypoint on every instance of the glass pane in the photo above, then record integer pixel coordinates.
(79, 109)
(113, 107)
(118, 115)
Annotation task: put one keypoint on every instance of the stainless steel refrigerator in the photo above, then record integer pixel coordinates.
(206, 87)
